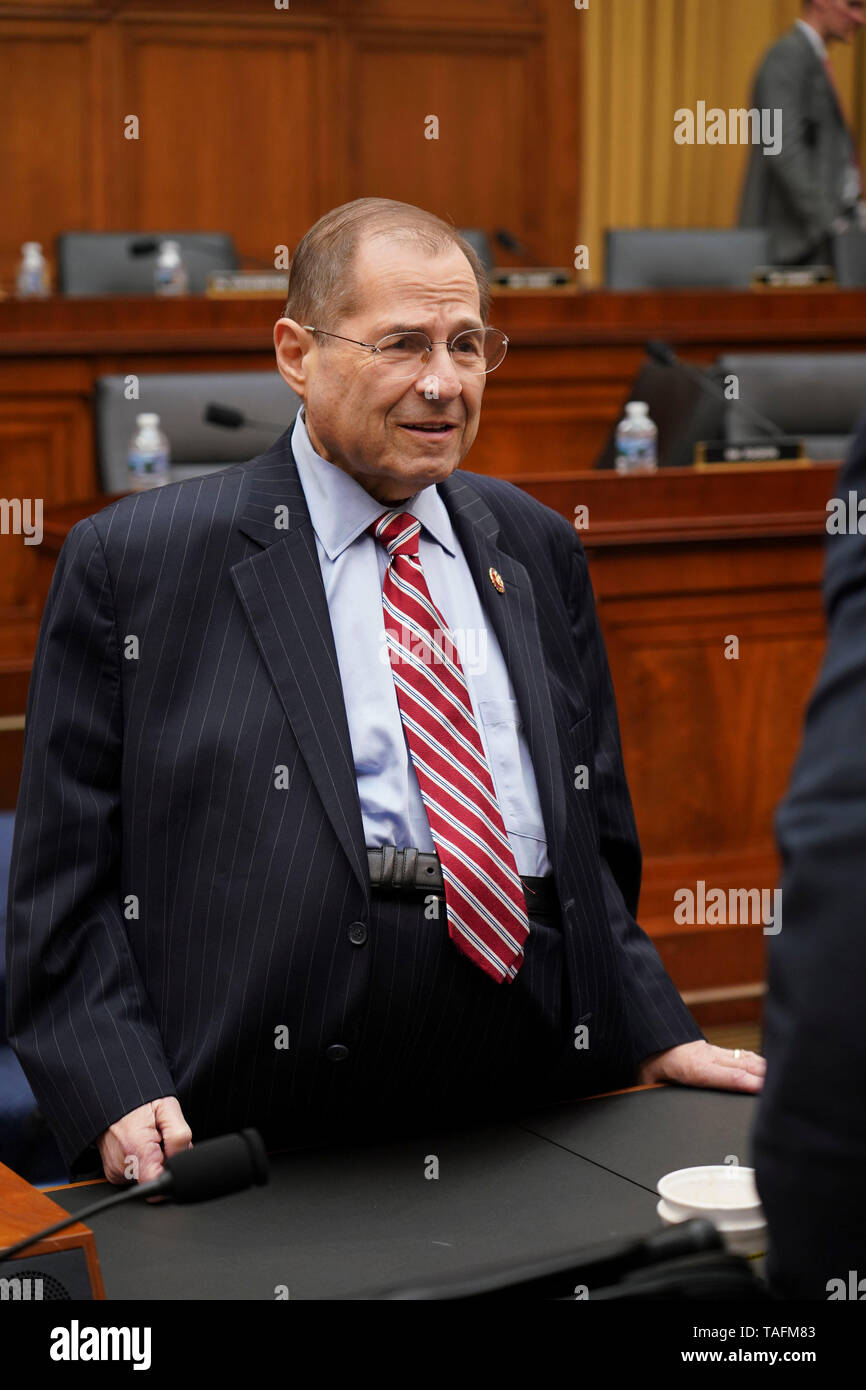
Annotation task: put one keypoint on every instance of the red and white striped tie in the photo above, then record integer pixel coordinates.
(484, 899)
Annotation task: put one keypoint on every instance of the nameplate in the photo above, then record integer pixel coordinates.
(243, 284)
(750, 451)
(792, 277)
(531, 278)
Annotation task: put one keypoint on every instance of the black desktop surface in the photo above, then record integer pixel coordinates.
(350, 1221)
(644, 1134)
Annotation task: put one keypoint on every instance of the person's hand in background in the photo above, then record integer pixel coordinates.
(133, 1148)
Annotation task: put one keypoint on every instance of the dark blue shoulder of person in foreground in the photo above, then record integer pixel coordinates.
(810, 1136)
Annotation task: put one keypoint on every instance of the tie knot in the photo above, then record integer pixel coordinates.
(397, 531)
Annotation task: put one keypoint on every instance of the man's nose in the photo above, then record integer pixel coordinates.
(447, 378)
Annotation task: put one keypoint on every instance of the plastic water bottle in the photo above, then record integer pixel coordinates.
(31, 280)
(148, 455)
(636, 440)
(169, 276)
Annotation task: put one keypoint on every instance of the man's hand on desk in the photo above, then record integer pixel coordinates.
(701, 1064)
(154, 1131)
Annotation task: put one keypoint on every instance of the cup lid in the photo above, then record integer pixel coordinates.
(713, 1189)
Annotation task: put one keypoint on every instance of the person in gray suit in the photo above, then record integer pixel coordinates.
(812, 188)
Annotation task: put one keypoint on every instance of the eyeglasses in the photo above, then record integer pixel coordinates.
(402, 355)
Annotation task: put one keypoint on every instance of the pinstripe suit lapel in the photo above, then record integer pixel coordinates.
(512, 616)
(284, 599)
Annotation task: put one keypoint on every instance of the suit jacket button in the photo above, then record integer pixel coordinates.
(357, 933)
(337, 1052)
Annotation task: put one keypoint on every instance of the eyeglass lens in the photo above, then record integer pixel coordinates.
(474, 350)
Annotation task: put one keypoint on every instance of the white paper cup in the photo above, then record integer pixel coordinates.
(722, 1193)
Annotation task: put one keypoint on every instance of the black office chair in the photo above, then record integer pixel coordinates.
(100, 263)
(817, 397)
(681, 411)
(643, 258)
(179, 400)
(849, 258)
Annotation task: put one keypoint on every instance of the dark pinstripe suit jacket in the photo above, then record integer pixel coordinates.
(171, 904)
(810, 1133)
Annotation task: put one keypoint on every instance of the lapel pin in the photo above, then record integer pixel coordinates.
(496, 580)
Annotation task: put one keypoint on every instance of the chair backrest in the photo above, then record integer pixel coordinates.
(480, 243)
(817, 397)
(641, 258)
(97, 263)
(849, 258)
(179, 400)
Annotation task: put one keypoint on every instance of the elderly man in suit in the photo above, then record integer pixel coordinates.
(812, 188)
(323, 823)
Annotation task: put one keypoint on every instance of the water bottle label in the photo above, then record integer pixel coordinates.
(170, 280)
(147, 464)
(636, 450)
(31, 281)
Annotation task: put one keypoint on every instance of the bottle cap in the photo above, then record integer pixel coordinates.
(637, 408)
(147, 419)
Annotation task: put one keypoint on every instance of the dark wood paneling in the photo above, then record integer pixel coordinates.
(233, 132)
(256, 121)
(48, 134)
(487, 94)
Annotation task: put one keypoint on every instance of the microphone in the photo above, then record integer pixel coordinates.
(664, 355)
(143, 246)
(228, 416)
(510, 242)
(149, 245)
(214, 1168)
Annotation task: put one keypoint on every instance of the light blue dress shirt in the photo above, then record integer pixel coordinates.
(353, 568)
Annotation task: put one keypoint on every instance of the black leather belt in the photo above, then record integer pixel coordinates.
(411, 871)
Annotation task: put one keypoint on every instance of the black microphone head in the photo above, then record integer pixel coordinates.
(144, 246)
(224, 415)
(661, 352)
(509, 241)
(216, 1167)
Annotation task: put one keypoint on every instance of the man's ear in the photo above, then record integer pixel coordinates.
(291, 344)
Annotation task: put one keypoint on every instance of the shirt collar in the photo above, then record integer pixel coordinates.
(341, 510)
(814, 38)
